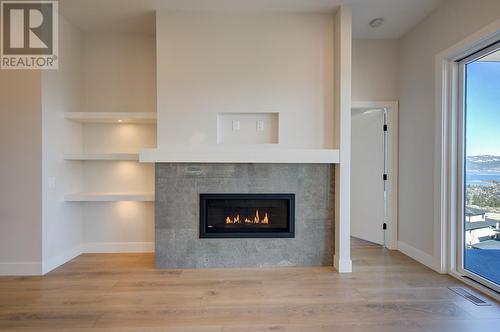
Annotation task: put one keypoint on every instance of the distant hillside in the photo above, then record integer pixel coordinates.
(483, 164)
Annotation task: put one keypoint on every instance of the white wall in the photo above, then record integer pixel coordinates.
(210, 63)
(450, 23)
(127, 138)
(375, 70)
(20, 172)
(62, 222)
(119, 227)
(118, 176)
(118, 72)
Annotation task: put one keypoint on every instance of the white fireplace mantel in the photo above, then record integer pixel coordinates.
(240, 154)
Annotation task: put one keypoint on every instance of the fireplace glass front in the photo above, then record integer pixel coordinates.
(247, 215)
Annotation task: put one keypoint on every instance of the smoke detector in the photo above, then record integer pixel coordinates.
(376, 22)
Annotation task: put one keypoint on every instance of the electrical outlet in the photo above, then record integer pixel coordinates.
(260, 125)
(51, 182)
(236, 125)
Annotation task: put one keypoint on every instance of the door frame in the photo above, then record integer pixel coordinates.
(461, 139)
(392, 108)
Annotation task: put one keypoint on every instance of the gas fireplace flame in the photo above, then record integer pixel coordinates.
(248, 220)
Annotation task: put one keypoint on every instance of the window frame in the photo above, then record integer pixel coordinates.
(461, 161)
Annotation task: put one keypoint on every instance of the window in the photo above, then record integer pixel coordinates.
(479, 175)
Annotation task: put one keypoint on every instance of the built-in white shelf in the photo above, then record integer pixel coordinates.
(110, 197)
(240, 154)
(111, 117)
(101, 156)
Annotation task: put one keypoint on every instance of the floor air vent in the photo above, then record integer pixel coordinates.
(471, 297)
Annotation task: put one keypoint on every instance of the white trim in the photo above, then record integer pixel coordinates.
(111, 117)
(21, 269)
(110, 197)
(446, 144)
(374, 104)
(117, 247)
(342, 118)
(393, 122)
(102, 156)
(39, 268)
(344, 265)
(50, 264)
(418, 255)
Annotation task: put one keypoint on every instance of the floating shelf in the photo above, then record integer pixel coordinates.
(111, 117)
(101, 156)
(110, 197)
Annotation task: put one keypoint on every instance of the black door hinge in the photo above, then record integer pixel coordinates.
(384, 226)
(385, 127)
(384, 177)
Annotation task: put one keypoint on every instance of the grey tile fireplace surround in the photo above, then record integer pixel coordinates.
(178, 187)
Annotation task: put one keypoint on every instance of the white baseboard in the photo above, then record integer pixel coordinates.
(419, 256)
(21, 269)
(117, 247)
(54, 262)
(342, 265)
(39, 268)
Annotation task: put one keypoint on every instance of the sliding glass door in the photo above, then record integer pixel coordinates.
(479, 176)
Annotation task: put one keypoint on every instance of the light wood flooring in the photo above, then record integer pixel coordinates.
(388, 292)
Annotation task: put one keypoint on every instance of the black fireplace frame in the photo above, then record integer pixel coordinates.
(289, 233)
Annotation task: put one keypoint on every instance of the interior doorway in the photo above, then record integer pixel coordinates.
(374, 172)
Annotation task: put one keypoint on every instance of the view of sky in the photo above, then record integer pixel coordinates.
(483, 108)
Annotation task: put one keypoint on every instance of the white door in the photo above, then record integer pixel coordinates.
(367, 170)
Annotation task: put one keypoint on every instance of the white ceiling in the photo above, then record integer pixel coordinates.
(400, 16)
(138, 15)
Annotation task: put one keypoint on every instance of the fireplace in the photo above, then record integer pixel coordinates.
(247, 215)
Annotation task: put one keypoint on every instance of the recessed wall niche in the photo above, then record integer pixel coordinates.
(114, 119)
(248, 128)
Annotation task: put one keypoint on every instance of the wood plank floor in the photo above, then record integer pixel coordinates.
(388, 292)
